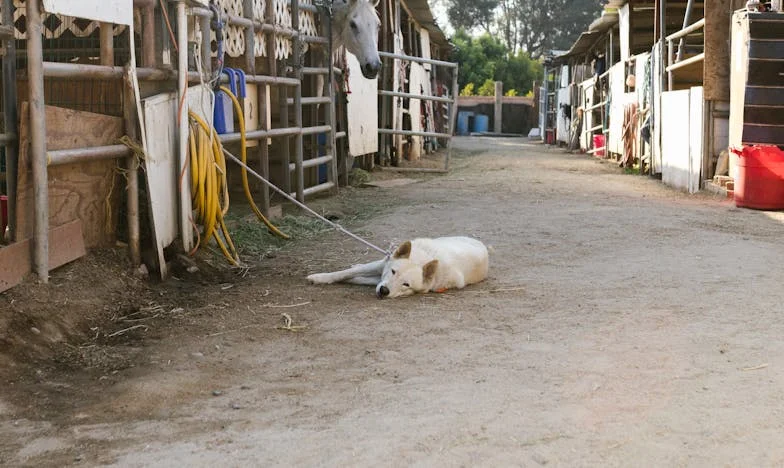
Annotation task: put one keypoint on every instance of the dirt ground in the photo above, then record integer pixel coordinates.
(623, 323)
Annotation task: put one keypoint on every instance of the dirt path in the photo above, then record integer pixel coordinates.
(623, 323)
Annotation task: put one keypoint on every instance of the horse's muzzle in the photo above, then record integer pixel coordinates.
(370, 69)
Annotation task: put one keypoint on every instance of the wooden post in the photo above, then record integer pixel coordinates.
(670, 57)
(332, 142)
(716, 66)
(452, 118)
(148, 36)
(265, 94)
(183, 173)
(385, 83)
(131, 118)
(250, 38)
(283, 97)
(107, 44)
(499, 106)
(206, 56)
(11, 126)
(716, 74)
(296, 43)
(35, 76)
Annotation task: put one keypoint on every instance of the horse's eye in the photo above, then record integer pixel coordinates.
(393, 272)
(406, 285)
(353, 25)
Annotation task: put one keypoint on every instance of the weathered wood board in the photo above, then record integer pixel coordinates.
(160, 121)
(66, 244)
(86, 191)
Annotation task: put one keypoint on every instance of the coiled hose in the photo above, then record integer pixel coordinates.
(209, 187)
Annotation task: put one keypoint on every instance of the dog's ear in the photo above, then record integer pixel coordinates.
(429, 271)
(404, 250)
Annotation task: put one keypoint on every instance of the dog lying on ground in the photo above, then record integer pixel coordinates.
(419, 266)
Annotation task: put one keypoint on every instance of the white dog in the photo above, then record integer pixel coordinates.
(419, 266)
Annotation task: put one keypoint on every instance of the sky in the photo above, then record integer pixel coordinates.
(438, 7)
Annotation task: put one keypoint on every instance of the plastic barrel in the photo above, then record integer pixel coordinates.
(760, 182)
(462, 122)
(481, 123)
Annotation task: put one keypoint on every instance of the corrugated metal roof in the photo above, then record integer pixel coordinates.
(420, 9)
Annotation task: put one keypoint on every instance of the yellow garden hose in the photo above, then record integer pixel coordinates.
(209, 187)
(244, 157)
(209, 190)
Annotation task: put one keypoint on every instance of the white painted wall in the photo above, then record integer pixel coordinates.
(618, 101)
(682, 144)
(109, 11)
(623, 25)
(563, 124)
(362, 110)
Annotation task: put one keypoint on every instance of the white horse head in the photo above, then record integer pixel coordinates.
(355, 26)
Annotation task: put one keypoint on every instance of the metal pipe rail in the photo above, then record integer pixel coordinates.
(593, 129)
(93, 153)
(260, 134)
(416, 96)
(273, 133)
(411, 58)
(684, 63)
(75, 71)
(387, 131)
(686, 31)
(596, 106)
(315, 189)
(310, 101)
(452, 101)
(311, 162)
(320, 70)
(673, 63)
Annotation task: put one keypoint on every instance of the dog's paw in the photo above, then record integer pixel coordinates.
(320, 278)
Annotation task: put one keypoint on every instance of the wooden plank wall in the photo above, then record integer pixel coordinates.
(89, 191)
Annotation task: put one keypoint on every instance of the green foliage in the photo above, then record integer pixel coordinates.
(511, 93)
(533, 26)
(487, 88)
(468, 90)
(486, 58)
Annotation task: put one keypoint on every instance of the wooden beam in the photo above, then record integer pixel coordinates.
(716, 68)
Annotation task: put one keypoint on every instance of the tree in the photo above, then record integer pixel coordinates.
(470, 14)
(537, 27)
(529, 25)
(487, 58)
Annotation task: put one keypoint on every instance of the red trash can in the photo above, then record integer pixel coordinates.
(598, 145)
(760, 182)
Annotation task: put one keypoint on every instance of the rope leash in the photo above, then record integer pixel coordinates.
(305, 207)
